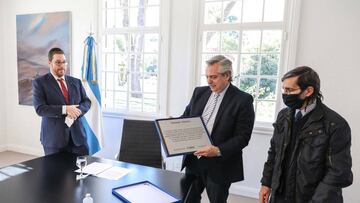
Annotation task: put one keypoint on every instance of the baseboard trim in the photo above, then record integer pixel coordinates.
(244, 191)
(2, 148)
(25, 150)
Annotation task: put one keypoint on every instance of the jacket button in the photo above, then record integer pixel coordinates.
(332, 123)
(320, 131)
(310, 133)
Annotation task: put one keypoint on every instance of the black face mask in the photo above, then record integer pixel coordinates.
(293, 101)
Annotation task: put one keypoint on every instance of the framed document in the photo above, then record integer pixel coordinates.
(143, 192)
(182, 135)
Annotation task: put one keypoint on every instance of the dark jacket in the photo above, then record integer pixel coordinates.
(231, 133)
(48, 100)
(323, 158)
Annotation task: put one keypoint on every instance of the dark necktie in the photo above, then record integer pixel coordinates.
(64, 90)
(298, 116)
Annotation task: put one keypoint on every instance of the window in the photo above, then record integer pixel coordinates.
(130, 51)
(250, 34)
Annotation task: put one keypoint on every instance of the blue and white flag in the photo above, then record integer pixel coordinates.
(93, 118)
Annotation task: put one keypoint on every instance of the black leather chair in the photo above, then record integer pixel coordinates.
(140, 144)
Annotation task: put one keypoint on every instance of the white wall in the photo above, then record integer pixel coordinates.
(22, 124)
(2, 69)
(329, 41)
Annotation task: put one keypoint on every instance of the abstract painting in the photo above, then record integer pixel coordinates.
(36, 35)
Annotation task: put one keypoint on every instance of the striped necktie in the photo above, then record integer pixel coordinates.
(210, 108)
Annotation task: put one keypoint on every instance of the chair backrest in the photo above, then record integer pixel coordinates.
(140, 143)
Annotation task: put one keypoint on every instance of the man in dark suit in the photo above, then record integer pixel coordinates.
(228, 114)
(61, 101)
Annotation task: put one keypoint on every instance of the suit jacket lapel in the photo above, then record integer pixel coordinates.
(202, 102)
(54, 85)
(71, 89)
(223, 105)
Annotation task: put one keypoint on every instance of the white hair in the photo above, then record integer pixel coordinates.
(224, 63)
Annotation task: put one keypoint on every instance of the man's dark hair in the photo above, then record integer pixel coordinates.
(54, 51)
(306, 77)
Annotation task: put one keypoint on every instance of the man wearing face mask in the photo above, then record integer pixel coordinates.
(309, 157)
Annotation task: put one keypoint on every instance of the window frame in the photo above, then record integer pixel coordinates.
(289, 27)
(163, 31)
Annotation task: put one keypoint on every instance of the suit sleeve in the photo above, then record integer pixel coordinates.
(85, 103)
(41, 106)
(338, 166)
(189, 106)
(242, 130)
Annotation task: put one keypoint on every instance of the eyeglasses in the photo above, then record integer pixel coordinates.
(289, 90)
(59, 63)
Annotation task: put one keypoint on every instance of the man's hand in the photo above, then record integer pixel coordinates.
(208, 151)
(264, 194)
(72, 111)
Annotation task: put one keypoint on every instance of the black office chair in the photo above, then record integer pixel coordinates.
(140, 144)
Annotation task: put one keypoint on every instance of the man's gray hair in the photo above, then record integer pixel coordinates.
(225, 65)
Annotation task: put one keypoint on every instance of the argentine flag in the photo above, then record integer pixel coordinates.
(93, 118)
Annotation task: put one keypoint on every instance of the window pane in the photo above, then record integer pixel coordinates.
(108, 43)
(265, 111)
(121, 44)
(234, 59)
(109, 63)
(110, 18)
(120, 100)
(134, 16)
(250, 41)
(248, 85)
(252, 10)
(135, 82)
(150, 83)
(109, 3)
(212, 12)
(211, 42)
(249, 64)
(274, 10)
(150, 103)
(232, 11)
(121, 19)
(109, 81)
(230, 41)
(269, 64)
(153, 2)
(151, 43)
(121, 3)
(120, 60)
(205, 57)
(267, 89)
(271, 41)
(136, 43)
(135, 101)
(150, 63)
(203, 81)
(109, 99)
(152, 16)
(121, 79)
(135, 3)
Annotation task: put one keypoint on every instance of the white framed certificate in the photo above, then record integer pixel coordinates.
(182, 135)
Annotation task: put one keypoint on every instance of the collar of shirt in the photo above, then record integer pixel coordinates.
(222, 93)
(56, 77)
(307, 109)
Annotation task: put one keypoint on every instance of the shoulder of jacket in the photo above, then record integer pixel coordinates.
(332, 118)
